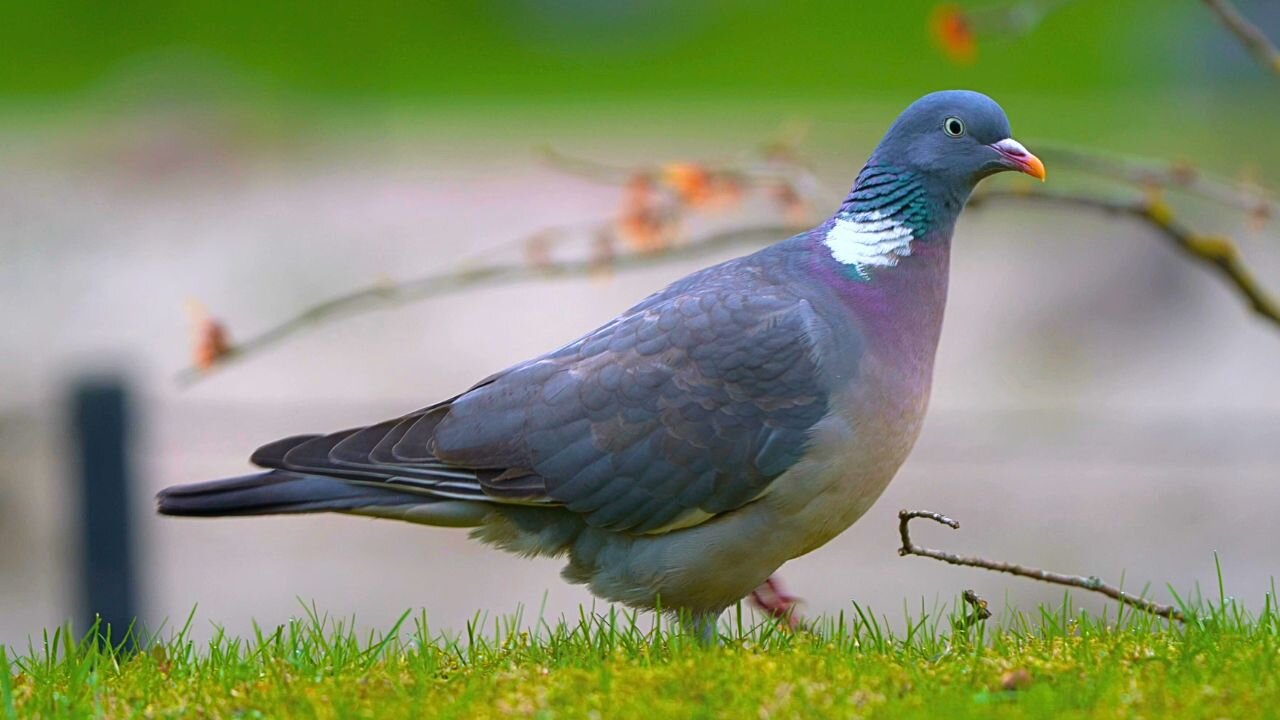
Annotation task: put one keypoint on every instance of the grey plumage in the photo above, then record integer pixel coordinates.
(680, 453)
(275, 493)
(692, 401)
(684, 408)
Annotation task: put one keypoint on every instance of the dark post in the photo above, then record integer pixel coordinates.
(101, 433)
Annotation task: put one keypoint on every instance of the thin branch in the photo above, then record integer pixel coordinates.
(1218, 253)
(978, 603)
(1247, 33)
(592, 170)
(1148, 174)
(979, 607)
(657, 200)
(1092, 584)
(775, 162)
(384, 296)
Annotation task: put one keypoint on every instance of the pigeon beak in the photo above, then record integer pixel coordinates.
(1018, 158)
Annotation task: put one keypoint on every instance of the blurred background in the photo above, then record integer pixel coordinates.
(1101, 404)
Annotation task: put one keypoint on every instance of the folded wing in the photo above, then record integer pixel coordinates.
(685, 407)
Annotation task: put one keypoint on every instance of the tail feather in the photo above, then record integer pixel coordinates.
(276, 492)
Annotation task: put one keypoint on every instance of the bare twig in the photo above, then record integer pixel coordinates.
(775, 162)
(588, 169)
(389, 295)
(1247, 33)
(1092, 584)
(656, 202)
(1162, 174)
(979, 605)
(1217, 252)
(979, 608)
(658, 199)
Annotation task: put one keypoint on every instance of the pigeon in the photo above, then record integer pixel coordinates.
(679, 454)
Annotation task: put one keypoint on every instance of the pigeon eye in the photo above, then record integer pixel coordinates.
(953, 126)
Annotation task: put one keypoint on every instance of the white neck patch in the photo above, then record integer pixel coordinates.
(868, 239)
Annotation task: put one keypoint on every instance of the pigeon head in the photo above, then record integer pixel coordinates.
(919, 177)
(955, 137)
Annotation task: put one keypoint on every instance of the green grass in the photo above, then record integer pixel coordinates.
(1058, 662)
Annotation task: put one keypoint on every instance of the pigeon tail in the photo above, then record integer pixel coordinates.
(276, 492)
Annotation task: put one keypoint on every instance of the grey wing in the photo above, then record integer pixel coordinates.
(684, 408)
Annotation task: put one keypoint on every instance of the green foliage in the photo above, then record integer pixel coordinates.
(524, 48)
(1059, 663)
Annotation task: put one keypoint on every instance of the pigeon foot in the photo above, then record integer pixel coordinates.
(772, 600)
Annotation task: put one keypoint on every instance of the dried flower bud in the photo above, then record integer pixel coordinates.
(953, 33)
(209, 340)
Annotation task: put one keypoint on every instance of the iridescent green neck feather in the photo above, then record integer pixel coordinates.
(887, 210)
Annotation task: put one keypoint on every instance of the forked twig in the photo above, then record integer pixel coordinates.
(1092, 584)
(978, 607)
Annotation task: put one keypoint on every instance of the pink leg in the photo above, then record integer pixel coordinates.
(771, 599)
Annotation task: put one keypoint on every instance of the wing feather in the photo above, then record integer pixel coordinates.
(685, 407)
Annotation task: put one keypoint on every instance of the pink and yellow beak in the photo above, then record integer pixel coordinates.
(1018, 158)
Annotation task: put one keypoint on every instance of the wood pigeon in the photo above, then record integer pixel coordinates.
(682, 452)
